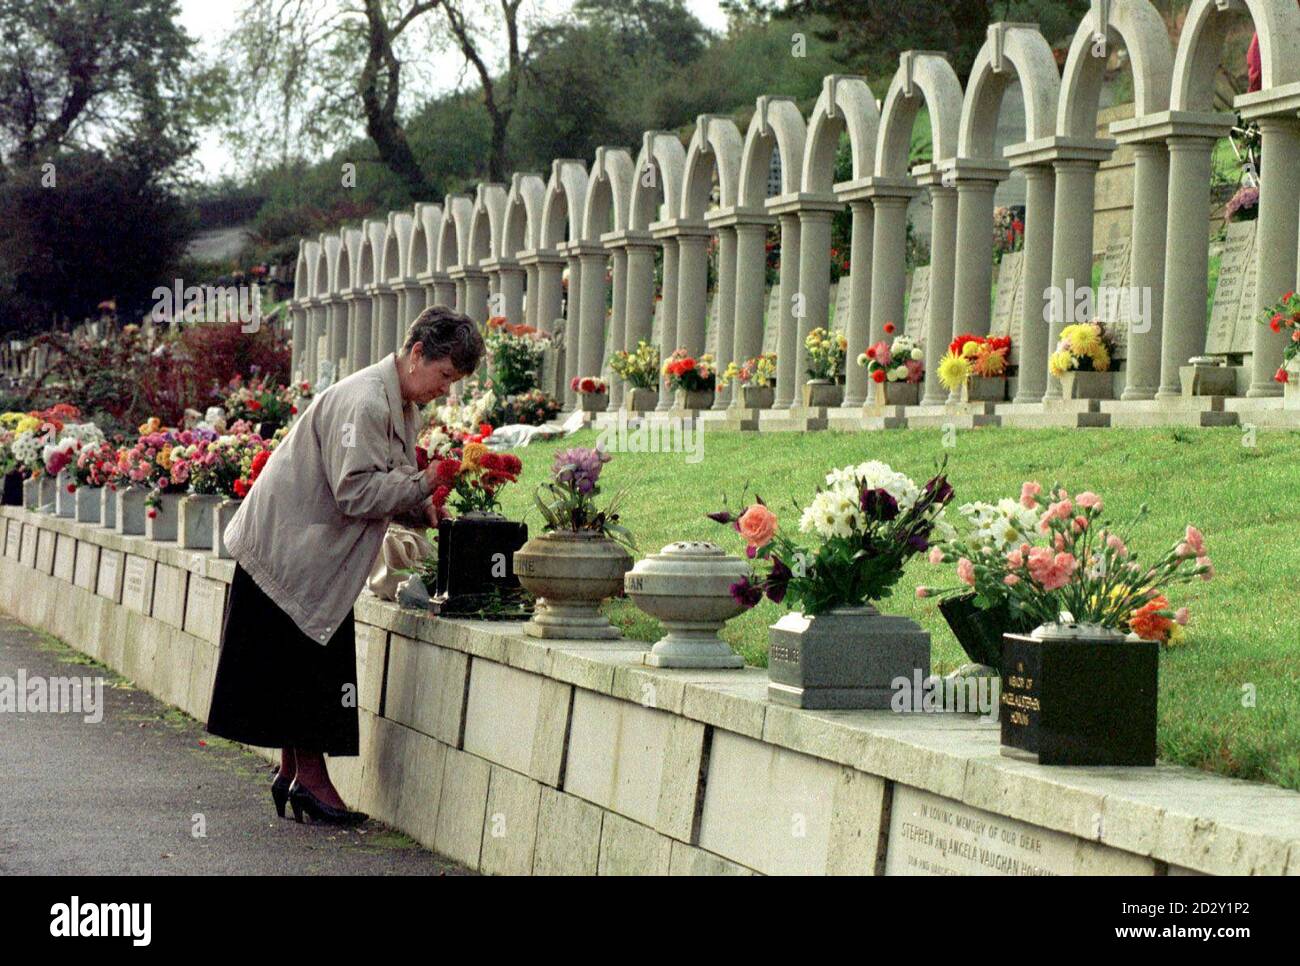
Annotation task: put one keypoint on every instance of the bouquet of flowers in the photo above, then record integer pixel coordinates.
(1054, 559)
(1285, 317)
(95, 465)
(969, 355)
(60, 455)
(826, 353)
(471, 482)
(1008, 232)
(1244, 205)
(639, 369)
(864, 524)
(568, 500)
(531, 408)
(901, 362)
(475, 407)
(759, 372)
(261, 400)
(155, 460)
(588, 385)
(515, 354)
(683, 371)
(225, 466)
(1085, 347)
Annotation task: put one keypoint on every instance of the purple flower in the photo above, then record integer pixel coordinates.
(778, 580)
(746, 593)
(579, 468)
(722, 516)
(879, 505)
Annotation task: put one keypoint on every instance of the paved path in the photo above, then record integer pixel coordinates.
(121, 796)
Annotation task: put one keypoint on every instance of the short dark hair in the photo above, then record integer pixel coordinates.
(444, 333)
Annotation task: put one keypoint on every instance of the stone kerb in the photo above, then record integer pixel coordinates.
(603, 764)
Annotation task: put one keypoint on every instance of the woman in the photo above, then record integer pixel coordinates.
(304, 541)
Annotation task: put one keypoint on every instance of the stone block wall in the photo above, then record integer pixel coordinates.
(517, 756)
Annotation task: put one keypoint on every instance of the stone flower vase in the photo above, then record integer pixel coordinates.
(48, 490)
(90, 504)
(822, 393)
(593, 402)
(758, 397)
(108, 507)
(161, 522)
(65, 496)
(847, 658)
(571, 573)
(693, 399)
(641, 400)
(1088, 385)
(687, 587)
(31, 493)
(1079, 694)
(130, 510)
(194, 522)
(221, 517)
(985, 389)
(898, 393)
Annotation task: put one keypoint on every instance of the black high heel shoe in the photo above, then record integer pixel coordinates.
(280, 791)
(302, 800)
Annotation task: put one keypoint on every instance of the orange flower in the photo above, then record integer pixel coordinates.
(1148, 623)
(472, 455)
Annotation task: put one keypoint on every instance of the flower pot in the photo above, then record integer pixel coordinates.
(267, 428)
(1088, 385)
(221, 517)
(108, 507)
(822, 393)
(571, 573)
(985, 389)
(848, 657)
(475, 554)
(130, 510)
(641, 400)
(65, 495)
(194, 521)
(32, 493)
(14, 489)
(979, 631)
(898, 393)
(694, 399)
(593, 402)
(1078, 695)
(90, 504)
(758, 397)
(48, 490)
(687, 587)
(161, 520)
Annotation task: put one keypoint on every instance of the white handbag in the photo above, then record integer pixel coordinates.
(402, 549)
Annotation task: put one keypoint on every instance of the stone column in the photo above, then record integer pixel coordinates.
(359, 336)
(460, 305)
(573, 328)
(531, 297)
(670, 340)
(299, 316)
(788, 377)
(692, 291)
(1187, 259)
(384, 321)
(618, 325)
(889, 264)
(1076, 189)
(1151, 184)
(1036, 334)
(592, 304)
(640, 299)
(814, 282)
(550, 295)
(444, 292)
(416, 302)
(858, 331)
(476, 297)
(511, 289)
(751, 273)
(1275, 243)
(337, 330)
(974, 265)
(943, 263)
(349, 334)
(726, 295)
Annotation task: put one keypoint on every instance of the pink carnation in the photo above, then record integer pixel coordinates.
(1181, 616)
(936, 555)
(1196, 541)
(966, 571)
(1011, 580)
(1089, 500)
(922, 593)
(1028, 493)
(1052, 572)
(1015, 560)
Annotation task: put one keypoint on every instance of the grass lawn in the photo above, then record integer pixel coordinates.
(1242, 639)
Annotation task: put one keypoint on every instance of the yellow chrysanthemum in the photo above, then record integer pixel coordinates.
(28, 424)
(970, 349)
(1059, 363)
(12, 419)
(1100, 359)
(165, 457)
(472, 455)
(152, 425)
(1084, 339)
(954, 370)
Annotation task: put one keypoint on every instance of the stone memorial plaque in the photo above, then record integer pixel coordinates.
(1010, 278)
(109, 583)
(1243, 334)
(1113, 305)
(1017, 329)
(45, 551)
(657, 329)
(204, 608)
(13, 539)
(842, 303)
(65, 556)
(137, 584)
(918, 303)
(711, 327)
(27, 553)
(1237, 256)
(87, 568)
(169, 595)
(933, 835)
(772, 320)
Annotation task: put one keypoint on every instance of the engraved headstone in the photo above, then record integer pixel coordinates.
(1243, 335)
(13, 539)
(137, 584)
(1009, 279)
(45, 551)
(326, 372)
(87, 566)
(109, 583)
(918, 303)
(1017, 329)
(711, 327)
(842, 300)
(204, 608)
(169, 595)
(772, 320)
(657, 328)
(1234, 261)
(1113, 305)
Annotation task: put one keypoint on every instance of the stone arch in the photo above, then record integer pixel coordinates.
(453, 232)
(1140, 29)
(1013, 51)
(372, 241)
(565, 198)
(717, 146)
(349, 249)
(609, 190)
(1200, 47)
(397, 239)
(330, 247)
(484, 240)
(522, 219)
(778, 126)
(923, 77)
(303, 272)
(656, 179)
(417, 252)
(846, 104)
(320, 271)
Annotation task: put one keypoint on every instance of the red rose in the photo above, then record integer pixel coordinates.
(878, 375)
(152, 513)
(259, 461)
(1282, 376)
(293, 410)
(254, 405)
(241, 488)
(72, 488)
(889, 328)
(1276, 323)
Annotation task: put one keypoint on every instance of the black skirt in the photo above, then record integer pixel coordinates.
(276, 687)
